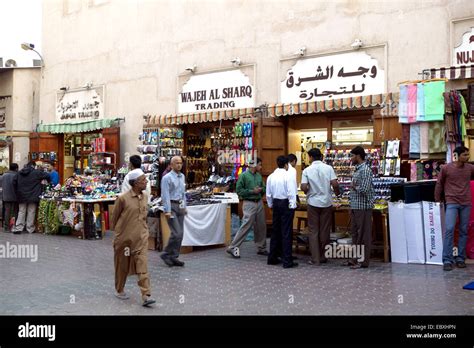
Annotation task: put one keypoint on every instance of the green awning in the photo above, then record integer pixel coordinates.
(79, 127)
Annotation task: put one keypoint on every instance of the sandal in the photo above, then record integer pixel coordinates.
(348, 263)
(358, 265)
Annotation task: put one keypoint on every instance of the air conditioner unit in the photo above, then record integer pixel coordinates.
(10, 63)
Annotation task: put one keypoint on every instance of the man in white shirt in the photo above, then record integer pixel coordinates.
(135, 163)
(281, 198)
(316, 182)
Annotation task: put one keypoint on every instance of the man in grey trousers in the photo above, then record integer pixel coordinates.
(173, 195)
(251, 189)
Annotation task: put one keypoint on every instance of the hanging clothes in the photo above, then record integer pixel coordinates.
(420, 102)
(403, 104)
(411, 104)
(434, 102)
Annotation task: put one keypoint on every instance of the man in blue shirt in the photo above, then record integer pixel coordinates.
(173, 195)
(53, 174)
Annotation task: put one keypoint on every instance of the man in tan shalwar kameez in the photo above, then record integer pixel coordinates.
(131, 238)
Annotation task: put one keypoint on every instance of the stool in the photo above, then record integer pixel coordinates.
(300, 221)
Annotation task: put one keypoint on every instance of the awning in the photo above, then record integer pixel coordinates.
(452, 72)
(199, 117)
(354, 103)
(389, 100)
(79, 127)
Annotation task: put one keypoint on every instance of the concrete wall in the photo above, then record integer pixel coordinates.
(140, 48)
(22, 109)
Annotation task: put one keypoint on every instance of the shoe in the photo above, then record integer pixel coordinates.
(348, 263)
(147, 301)
(358, 265)
(291, 265)
(177, 262)
(16, 232)
(447, 267)
(167, 260)
(274, 262)
(263, 252)
(235, 252)
(460, 264)
(122, 296)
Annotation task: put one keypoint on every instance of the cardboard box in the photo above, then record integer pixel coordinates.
(398, 238)
(433, 222)
(413, 218)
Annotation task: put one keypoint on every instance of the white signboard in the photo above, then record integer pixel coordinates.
(82, 105)
(216, 91)
(464, 53)
(332, 77)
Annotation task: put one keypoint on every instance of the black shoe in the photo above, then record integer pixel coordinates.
(274, 262)
(16, 232)
(291, 265)
(447, 267)
(263, 252)
(167, 260)
(460, 264)
(178, 263)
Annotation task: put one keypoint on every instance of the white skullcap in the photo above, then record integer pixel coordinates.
(135, 174)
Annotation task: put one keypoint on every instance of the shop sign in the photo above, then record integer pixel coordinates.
(80, 105)
(332, 77)
(3, 119)
(216, 91)
(464, 53)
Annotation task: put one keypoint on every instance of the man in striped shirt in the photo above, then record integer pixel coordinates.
(362, 203)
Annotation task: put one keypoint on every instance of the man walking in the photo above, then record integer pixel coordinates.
(173, 195)
(362, 203)
(27, 186)
(281, 198)
(131, 238)
(250, 188)
(316, 183)
(10, 203)
(454, 182)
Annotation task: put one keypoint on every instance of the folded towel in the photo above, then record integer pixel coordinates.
(412, 98)
(403, 104)
(434, 100)
(420, 102)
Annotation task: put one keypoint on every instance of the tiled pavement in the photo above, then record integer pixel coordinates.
(72, 270)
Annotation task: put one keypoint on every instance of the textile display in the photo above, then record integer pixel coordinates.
(403, 104)
(433, 222)
(205, 225)
(436, 138)
(424, 139)
(405, 139)
(420, 101)
(434, 100)
(415, 145)
(411, 104)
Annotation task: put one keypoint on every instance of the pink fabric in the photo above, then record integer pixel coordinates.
(412, 103)
(413, 174)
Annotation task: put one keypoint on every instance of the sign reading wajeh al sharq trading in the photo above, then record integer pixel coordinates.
(216, 91)
(80, 105)
(464, 53)
(332, 77)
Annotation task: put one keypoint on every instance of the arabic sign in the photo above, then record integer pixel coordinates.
(216, 91)
(2, 119)
(464, 53)
(81, 105)
(332, 77)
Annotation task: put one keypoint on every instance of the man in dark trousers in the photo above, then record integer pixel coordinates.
(454, 183)
(10, 202)
(173, 195)
(27, 186)
(362, 203)
(281, 198)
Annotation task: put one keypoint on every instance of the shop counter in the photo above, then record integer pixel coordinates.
(204, 225)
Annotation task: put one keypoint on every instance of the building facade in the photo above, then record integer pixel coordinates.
(144, 52)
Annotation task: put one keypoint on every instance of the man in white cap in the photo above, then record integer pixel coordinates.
(251, 189)
(131, 238)
(135, 164)
(173, 195)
